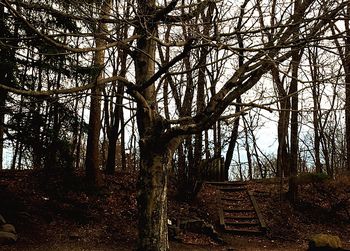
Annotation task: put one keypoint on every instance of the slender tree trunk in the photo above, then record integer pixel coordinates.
(239, 165)
(294, 125)
(75, 129)
(20, 156)
(114, 130)
(232, 143)
(283, 123)
(201, 84)
(234, 133)
(316, 95)
(118, 118)
(78, 156)
(258, 162)
(50, 160)
(198, 141)
(181, 164)
(347, 89)
(326, 154)
(92, 169)
(3, 96)
(15, 154)
(218, 140)
(92, 161)
(345, 57)
(122, 143)
(247, 148)
(38, 137)
(206, 144)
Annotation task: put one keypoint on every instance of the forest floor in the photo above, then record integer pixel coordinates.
(56, 212)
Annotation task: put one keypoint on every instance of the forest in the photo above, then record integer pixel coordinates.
(170, 104)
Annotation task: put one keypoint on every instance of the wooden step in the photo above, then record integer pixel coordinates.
(233, 189)
(238, 210)
(233, 210)
(233, 199)
(241, 224)
(241, 217)
(226, 183)
(243, 231)
(221, 217)
(233, 205)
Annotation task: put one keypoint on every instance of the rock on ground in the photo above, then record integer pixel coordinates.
(7, 238)
(325, 242)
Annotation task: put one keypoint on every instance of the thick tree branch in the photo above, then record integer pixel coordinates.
(64, 91)
(166, 67)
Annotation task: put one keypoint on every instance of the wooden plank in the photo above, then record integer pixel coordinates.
(233, 199)
(241, 217)
(234, 204)
(238, 210)
(243, 231)
(221, 212)
(221, 217)
(257, 210)
(233, 189)
(246, 220)
(241, 224)
(225, 183)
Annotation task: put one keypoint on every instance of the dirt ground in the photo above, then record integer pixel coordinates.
(56, 212)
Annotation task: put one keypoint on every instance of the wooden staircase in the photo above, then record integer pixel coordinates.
(238, 210)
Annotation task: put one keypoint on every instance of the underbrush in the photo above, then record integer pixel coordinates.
(330, 197)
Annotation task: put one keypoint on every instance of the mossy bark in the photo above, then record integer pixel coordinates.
(152, 198)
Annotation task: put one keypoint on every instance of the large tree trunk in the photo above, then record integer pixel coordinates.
(152, 200)
(154, 159)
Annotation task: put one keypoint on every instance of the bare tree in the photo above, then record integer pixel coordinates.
(159, 136)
